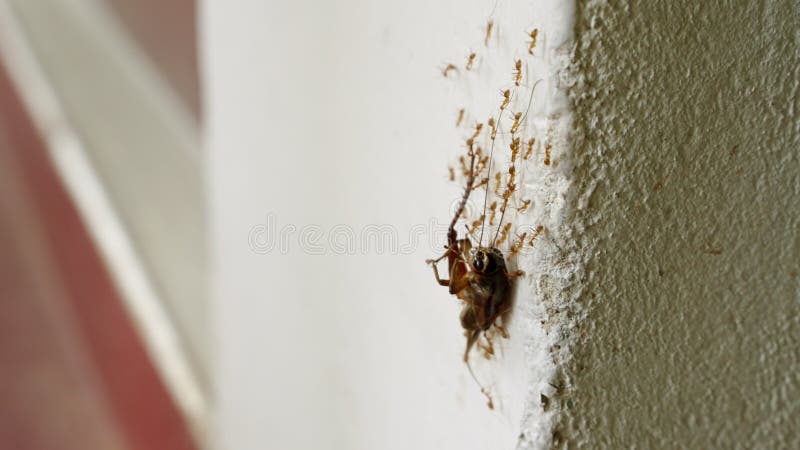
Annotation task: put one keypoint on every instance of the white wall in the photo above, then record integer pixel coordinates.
(324, 113)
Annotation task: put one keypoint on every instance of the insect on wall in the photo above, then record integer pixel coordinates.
(499, 146)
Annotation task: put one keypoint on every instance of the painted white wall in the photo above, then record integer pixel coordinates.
(323, 114)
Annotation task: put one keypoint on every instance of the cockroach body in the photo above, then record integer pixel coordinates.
(479, 278)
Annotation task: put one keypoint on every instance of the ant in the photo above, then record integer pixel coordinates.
(529, 150)
(533, 36)
(478, 276)
(517, 72)
(470, 61)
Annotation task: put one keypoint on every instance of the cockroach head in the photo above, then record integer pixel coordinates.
(485, 260)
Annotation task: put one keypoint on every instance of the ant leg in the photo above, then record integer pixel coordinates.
(515, 274)
(488, 348)
(502, 330)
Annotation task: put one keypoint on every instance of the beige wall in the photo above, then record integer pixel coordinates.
(687, 206)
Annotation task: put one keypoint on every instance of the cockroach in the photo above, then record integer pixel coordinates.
(478, 276)
(477, 273)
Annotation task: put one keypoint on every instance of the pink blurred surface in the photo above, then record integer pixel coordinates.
(73, 372)
(166, 31)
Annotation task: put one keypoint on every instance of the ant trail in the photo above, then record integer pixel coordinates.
(489, 174)
(530, 102)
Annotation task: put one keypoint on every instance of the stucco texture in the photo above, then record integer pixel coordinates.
(685, 209)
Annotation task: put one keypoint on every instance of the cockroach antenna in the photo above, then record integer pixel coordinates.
(484, 391)
(503, 213)
(530, 101)
(488, 175)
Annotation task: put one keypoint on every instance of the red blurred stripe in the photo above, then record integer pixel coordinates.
(139, 401)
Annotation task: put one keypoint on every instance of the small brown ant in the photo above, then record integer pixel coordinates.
(470, 60)
(533, 36)
(517, 72)
(449, 68)
(535, 235)
(516, 124)
(489, 27)
(506, 99)
(529, 149)
(478, 128)
(516, 247)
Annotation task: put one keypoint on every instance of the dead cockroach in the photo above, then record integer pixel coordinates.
(460, 117)
(534, 34)
(449, 68)
(517, 72)
(477, 276)
(489, 27)
(471, 60)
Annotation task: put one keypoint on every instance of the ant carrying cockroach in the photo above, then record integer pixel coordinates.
(477, 272)
(478, 276)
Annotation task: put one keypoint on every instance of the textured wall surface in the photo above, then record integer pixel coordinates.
(687, 204)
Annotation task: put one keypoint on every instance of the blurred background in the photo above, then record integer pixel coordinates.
(165, 279)
(103, 341)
